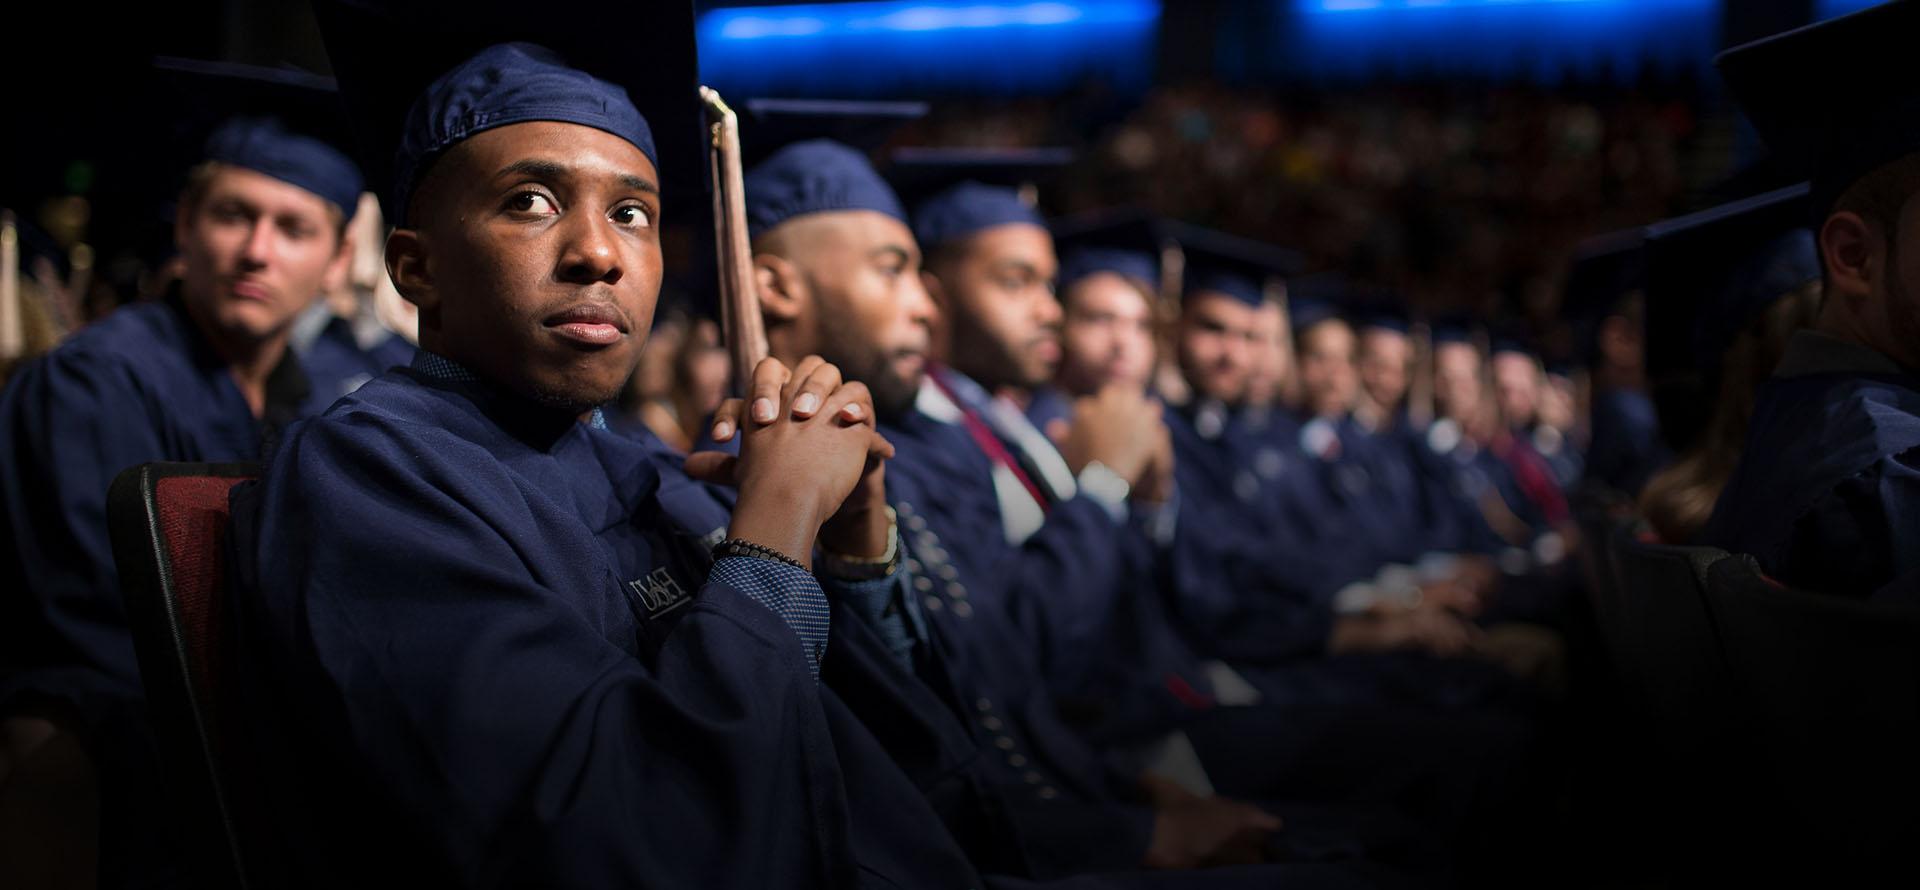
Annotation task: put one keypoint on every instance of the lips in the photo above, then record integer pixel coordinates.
(248, 289)
(592, 324)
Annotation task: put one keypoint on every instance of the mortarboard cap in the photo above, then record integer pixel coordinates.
(1833, 100)
(280, 122)
(1317, 298)
(816, 176)
(1124, 242)
(419, 77)
(956, 192)
(1455, 328)
(770, 124)
(814, 156)
(1710, 273)
(1230, 265)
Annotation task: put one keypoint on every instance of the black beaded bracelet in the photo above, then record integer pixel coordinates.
(738, 547)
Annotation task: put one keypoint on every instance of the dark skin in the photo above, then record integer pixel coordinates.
(534, 257)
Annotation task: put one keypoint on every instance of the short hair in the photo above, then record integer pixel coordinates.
(1881, 194)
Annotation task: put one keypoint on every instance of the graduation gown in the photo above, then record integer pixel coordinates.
(488, 646)
(1827, 493)
(140, 385)
(1626, 449)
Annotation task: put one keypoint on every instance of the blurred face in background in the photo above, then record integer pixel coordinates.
(255, 252)
(704, 369)
(1272, 356)
(1516, 386)
(1106, 335)
(1384, 361)
(1327, 375)
(1557, 403)
(1456, 380)
(1219, 337)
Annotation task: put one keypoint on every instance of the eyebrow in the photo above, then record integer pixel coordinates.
(534, 168)
(1020, 267)
(892, 250)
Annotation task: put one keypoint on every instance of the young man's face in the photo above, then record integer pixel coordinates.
(1327, 375)
(997, 302)
(1384, 360)
(1516, 384)
(1456, 380)
(542, 259)
(866, 310)
(255, 252)
(1218, 337)
(1107, 337)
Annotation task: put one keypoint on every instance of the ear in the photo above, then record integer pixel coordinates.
(1850, 247)
(411, 273)
(782, 288)
(336, 274)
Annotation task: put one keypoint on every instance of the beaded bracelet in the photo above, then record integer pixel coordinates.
(739, 547)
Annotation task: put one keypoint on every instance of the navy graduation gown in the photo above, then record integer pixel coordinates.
(1246, 579)
(140, 385)
(1626, 449)
(1827, 493)
(338, 363)
(487, 646)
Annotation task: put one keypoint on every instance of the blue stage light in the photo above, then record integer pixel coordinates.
(872, 49)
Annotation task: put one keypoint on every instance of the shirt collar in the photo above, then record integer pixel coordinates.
(1816, 352)
(438, 367)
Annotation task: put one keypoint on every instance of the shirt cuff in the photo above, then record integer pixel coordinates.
(1105, 487)
(884, 604)
(792, 593)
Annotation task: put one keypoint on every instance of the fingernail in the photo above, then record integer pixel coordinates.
(806, 403)
(763, 410)
(854, 412)
(722, 431)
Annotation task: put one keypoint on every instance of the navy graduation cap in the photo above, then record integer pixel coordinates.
(281, 122)
(1126, 243)
(814, 156)
(1379, 308)
(1230, 265)
(419, 77)
(1605, 271)
(1455, 328)
(770, 124)
(1834, 100)
(1317, 298)
(1711, 273)
(956, 192)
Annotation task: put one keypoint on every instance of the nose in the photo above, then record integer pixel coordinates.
(588, 252)
(258, 249)
(919, 306)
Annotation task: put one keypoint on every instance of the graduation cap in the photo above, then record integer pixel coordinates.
(1455, 328)
(1510, 338)
(574, 62)
(1237, 267)
(282, 122)
(1378, 308)
(770, 124)
(1605, 270)
(1127, 243)
(1710, 273)
(1834, 100)
(1321, 297)
(955, 192)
